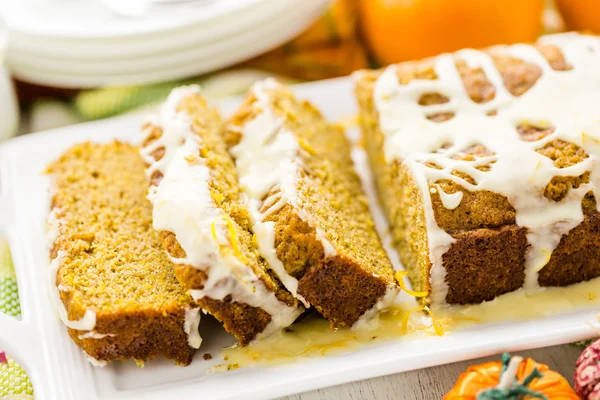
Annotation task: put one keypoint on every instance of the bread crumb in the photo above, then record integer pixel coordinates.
(218, 369)
(207, 356)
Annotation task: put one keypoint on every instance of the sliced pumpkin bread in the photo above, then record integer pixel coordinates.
(113, 286)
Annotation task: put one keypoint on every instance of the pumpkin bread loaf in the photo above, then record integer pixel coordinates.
(484, 165)
(204, 224)
(309, 213)
(113, 286)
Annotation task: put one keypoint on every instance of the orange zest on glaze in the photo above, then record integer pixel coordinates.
(435, 323)
(306, 147)
(233, 238)
(439, 330)
(213, 229)
(407, 316)
(400, 278)
(538, 165)
(234, 242)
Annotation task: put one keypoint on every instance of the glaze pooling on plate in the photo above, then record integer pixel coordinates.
(190, 326)
(566, 99)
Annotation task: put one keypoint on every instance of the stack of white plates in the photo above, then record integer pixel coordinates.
(85, 43)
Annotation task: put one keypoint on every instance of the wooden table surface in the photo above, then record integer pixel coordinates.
(433, 383)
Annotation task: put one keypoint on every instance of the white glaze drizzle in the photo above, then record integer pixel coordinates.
(175, 126)
(52, 226)
(191, 325)
(182, 204)
(265, 238)
(95, 335)
(568, 99)
(94, 361)
(370, 319)
(88, 321)
(64, 288)
(268, 164)
(449, 200)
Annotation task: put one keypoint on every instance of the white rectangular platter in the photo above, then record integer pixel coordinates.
(59, 370)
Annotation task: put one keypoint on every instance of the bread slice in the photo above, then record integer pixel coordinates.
(204, 225)
(311, 217)
(120, 298)
(505, 197)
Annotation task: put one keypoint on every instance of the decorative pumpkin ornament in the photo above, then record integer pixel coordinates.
(511, 379)
(587, 373)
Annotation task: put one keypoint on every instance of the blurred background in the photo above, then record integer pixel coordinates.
(78, 60)
(69, 61)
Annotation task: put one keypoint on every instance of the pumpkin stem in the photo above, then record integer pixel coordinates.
(510, 366)
(505, 361)
(509, 388)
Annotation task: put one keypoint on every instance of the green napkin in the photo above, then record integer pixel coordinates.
(14, 382)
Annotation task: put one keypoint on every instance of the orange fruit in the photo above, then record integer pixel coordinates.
(581, 15)
(398, 30)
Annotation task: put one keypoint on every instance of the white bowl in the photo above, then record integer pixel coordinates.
(222, 54)
(162, 59)
(134, 46)
(90, 19)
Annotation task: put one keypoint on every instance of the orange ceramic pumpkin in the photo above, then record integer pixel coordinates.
(581, 15)
(481, 378)
(398, 30)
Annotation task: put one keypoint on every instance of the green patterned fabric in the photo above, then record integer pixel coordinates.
(14, 382)
(106, 102)
(583, 344)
